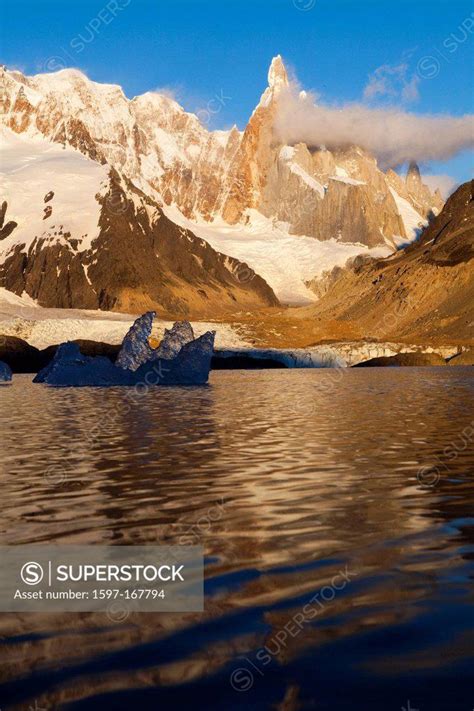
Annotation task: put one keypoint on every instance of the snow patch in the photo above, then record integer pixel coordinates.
(23, 301)
(284, 260)
(30, 168)
(412, 220)
(347, 180)
(287, 154)
(306, 178)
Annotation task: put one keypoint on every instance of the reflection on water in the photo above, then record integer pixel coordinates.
(354, 490)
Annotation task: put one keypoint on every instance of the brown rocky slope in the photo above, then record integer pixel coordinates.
(423, 293)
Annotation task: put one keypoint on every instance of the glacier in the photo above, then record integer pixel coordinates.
(317, 357)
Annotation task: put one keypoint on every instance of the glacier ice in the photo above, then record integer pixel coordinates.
(316, 357)
(179, 360)
(136, 349)
(174, 339)
(70, 367)
(5, 373)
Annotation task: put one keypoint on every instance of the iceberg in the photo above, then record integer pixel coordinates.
(70, 367)
(191, 366)
(5, 373)
(180, 359)
(174, 339)
(136, 349)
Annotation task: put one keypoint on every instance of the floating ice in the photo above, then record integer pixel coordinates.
(136, 349)
(174, 339)
(5, 373)
(179, 360)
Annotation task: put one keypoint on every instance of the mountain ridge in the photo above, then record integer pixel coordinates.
(337, 203)
(156, 143)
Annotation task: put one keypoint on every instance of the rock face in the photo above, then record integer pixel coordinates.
(167, 152)
(5, 373)
(395, 297)
(138, 365)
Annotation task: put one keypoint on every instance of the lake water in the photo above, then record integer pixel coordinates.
(352, 488)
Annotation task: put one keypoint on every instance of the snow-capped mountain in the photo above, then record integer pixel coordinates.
(74, 233)
(288, 211)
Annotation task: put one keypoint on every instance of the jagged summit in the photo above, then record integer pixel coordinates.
(246, 178)
(277, 74)
(413, 170)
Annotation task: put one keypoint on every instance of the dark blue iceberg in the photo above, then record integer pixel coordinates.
(180, 359)
(5, 373)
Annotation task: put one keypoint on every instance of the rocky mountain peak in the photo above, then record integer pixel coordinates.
(413, 172)
(277, 74)
(174, 157)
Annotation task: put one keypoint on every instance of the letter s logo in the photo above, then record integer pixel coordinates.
(32, 573)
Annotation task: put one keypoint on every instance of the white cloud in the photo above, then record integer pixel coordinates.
(392, 135)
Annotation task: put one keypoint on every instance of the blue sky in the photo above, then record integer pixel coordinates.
(203, 49)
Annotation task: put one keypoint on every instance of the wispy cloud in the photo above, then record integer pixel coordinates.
(171, 92)
(394, 136)
(394, 81)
